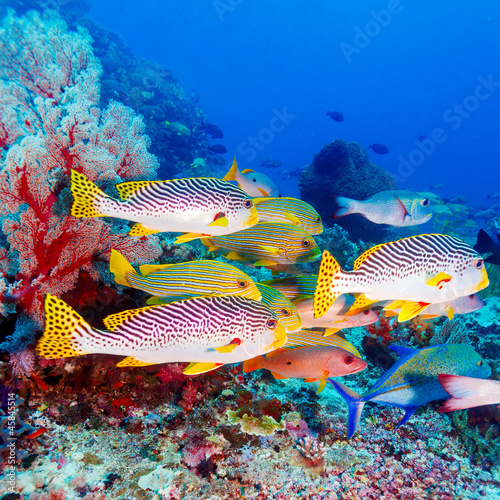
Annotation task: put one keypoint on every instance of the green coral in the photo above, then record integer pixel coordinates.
(263, 426)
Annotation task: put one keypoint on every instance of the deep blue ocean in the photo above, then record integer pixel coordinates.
(397, 70)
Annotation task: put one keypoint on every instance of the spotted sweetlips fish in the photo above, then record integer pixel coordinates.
(201, 206)
(419, 271)
(413, 380)
(207, 331)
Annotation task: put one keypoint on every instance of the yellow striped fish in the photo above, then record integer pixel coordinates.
(197, 206)
(183, 280)
(290, 211)
(419, 270)
(284, 309)
(268, 244)
(314, 337)
(207, 331)
(295, 287)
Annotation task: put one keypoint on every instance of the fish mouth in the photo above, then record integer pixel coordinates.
(253, 218)
(484, 281)
(279, 338)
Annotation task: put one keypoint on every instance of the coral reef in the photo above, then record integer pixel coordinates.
(343, 169)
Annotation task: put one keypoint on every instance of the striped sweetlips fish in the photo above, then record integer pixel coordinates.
(207, 331)
(419, 270)
(183, 280)
(267, 244)
(284, 309)
(290, 211)
(200, 206)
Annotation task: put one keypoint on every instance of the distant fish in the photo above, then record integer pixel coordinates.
(380, 149)
(195, 96)
(419, 270)
(253, 183)
(289, 210)
(206, 331)
(183, 280)
(468, 392)
(295, 172)
(196, 206)
(270, 163)
(458, 199)
(495, 196)
(421, 138)
(436, 186)
(213, 130)
(412, 381)
(314, 363)
(178, 129)
(336, 116)
(218, 149)
(397, 208)
(486, 244)
(484, 214)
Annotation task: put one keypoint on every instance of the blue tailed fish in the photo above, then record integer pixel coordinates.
(206, 331)
(183, 280)
(396, 208)
(291, 211)
(413, 380)
(253, 183)
(268, 244)
(419, 270)
(200, 206)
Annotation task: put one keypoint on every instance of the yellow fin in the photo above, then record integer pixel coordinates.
(325, 295)
(394, 305)
(427, 316)
(250, 365)
(258, 200)
(232, 255)
(63, 329)
(449, 312)
(210, 246)
(330, 331)
(131, 361)
(233, 172)
(86, 196)
(322, 385)
(127, 189)
(293, 219)
(365, 255)
(220, 221)
(270, 249)
(265, 263)
(310, 379)
(184, 238)
(438, 280)
(140, 230)
(157, 301)
(246, 171)
(120, 267)
(196, 368)
(229, 348)
(411, 309)
(388, 314)
(147, 269)
(113, 321)
(362, 303)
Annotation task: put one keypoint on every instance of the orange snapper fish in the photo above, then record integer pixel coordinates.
(206, 331)
(419, 270)
(200, 206)
(253, 183)
(312, 363)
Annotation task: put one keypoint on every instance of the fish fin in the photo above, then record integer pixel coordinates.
(120, 267)
(438, 280)
(186, 237)
(86, 195)
(365, 255)
(271, 249)
(228, 348)
(232, 255)
(484, 242)
(274, 353)
(277, 376)
(426, 316)
(233, 173)
(250, 365)
(310, 379)
(262, 192)
(346, 207)
(246, 171)
(322, 385)
(265, 263)
(140, 230)
(409, 411)
(64, 331)
(258, 200)
(197, 368)
(388, 314)
(158, 301)
(127, 189)
(293, 219)
(325, 294)
(464, 391)
(403, 351)
(411, 309)
(219, 221)
(113, 321)
(147, 269)
(210, 246)
(401, 212)
(330, 331)
(397, 304)
(449, 312)
(362, 303)
(132, 361)
(354, 404)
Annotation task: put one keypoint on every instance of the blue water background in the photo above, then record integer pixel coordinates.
(249, 58)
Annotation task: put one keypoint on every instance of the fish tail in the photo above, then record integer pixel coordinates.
(232, 175)
(329, 275)
(346, 207)
(354, 404)
(250, 365)
(464, 392)
(121, 268)
(65, 331)
(484, 242)
(87, 197)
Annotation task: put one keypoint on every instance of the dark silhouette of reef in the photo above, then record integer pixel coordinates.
(343, 169)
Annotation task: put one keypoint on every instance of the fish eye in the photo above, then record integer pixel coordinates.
(471, 296)
(242, 284)
(366, 312)
(248, 203)
(424, 202)
(306, 243)
(318, 219)
(478, 264)
(286, 312)
(348, 360)
(480, 363)
(254, 180)
(271, 324)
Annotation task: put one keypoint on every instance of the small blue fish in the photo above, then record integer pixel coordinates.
(412, 381)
